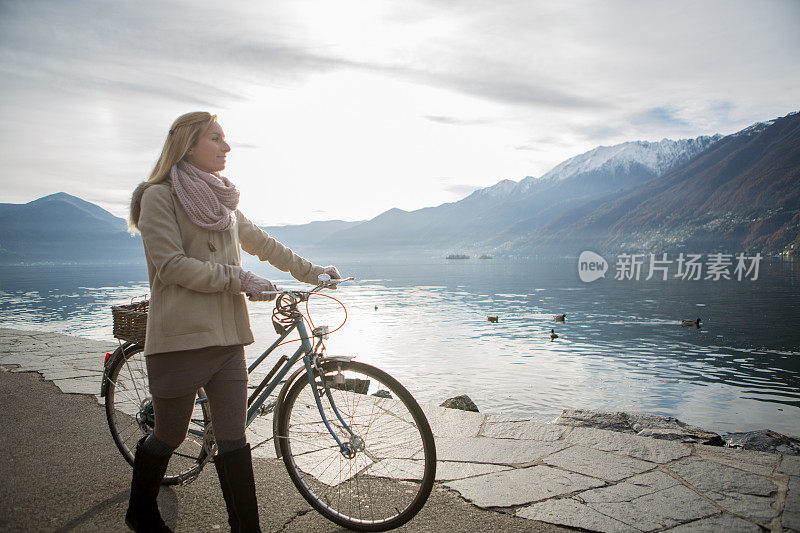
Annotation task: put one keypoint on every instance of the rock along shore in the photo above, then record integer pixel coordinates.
(563, 475)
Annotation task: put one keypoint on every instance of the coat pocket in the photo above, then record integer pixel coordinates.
(187, 311)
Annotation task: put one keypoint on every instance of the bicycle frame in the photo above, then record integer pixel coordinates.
(278, 373)
(282, 367)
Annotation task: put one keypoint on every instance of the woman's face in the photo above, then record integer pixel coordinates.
(208, 154)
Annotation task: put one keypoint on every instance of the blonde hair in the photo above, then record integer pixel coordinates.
(183, 134)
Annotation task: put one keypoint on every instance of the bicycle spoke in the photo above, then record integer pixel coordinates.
(130, 416)
(112, 382)
(375, 479)
(133, 381)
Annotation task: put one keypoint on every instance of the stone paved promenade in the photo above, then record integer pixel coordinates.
(576, 477)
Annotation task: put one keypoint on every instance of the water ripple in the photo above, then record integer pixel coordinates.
(618, 350)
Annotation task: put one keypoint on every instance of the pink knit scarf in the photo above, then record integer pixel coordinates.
(207, 199)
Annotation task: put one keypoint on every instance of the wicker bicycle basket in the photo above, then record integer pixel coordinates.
(130, 321)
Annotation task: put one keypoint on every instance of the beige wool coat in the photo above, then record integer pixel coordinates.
(195, 292)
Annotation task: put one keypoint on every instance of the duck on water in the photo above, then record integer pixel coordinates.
(688, 322)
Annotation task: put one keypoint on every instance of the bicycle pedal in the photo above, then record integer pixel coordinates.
(267, 408)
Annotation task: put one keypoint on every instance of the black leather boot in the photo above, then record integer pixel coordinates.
(148, 472)
(235, 471)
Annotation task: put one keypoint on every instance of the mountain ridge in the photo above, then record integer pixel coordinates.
(498, 210)
(745, 179)
(712, 191)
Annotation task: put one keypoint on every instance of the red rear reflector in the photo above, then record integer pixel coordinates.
(108, 354)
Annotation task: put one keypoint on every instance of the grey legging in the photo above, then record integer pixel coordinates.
(226, 389)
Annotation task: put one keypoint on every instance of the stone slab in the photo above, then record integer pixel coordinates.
(568, 512)
(41, 361)
(670, 428)
(657, 451)
(32, 368)
(69, 374)
(791, 513)
(93, 361)
(264, 450)
(492, 418)
(630, 489)
(790, 465)
(791, 520)
(658, 510)
(494, 451)
(522, 430)
(521, 486)
(643, 424)
(445, 470)
(715, 524)
(764, 440)
(448, 471)
(741, 493)
(23, 358)
(257, 438)
(708, 476)
(759, 509)
(86, 368)
(79, 385)
(453, 422)
(761, 463)
(599, 464)
(590, 418)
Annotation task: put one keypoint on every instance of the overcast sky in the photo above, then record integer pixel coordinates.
(342, 110)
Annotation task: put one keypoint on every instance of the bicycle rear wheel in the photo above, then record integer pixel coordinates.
(387, 476)
(129, 411)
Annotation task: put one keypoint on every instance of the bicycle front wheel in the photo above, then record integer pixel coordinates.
(385, 473)
(129, 411)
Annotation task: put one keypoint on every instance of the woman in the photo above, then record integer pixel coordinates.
(198, 322)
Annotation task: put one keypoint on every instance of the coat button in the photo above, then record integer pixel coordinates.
(211, 246)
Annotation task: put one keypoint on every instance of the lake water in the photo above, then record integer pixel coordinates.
(621, 348)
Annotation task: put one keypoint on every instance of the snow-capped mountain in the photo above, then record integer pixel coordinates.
(640, 158)
(501, 189)
(509, 209)
(742, 193)
(656, 156)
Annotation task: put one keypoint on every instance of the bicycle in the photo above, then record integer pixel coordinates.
(355, 443)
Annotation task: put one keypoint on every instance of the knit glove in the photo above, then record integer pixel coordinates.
(333, 272)
(253, 285)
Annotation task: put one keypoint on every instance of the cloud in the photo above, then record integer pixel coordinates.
(453, 121)
(71, 42)
(521, 92)
(544, 143)
(600, 131)
(88, 86)
(497, 86)
(83, 80)
(659, 117)
(460, 189)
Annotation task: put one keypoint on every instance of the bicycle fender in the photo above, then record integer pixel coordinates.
(339, 358)
(279, 404)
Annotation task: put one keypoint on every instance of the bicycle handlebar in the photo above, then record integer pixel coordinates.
(322, 285)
